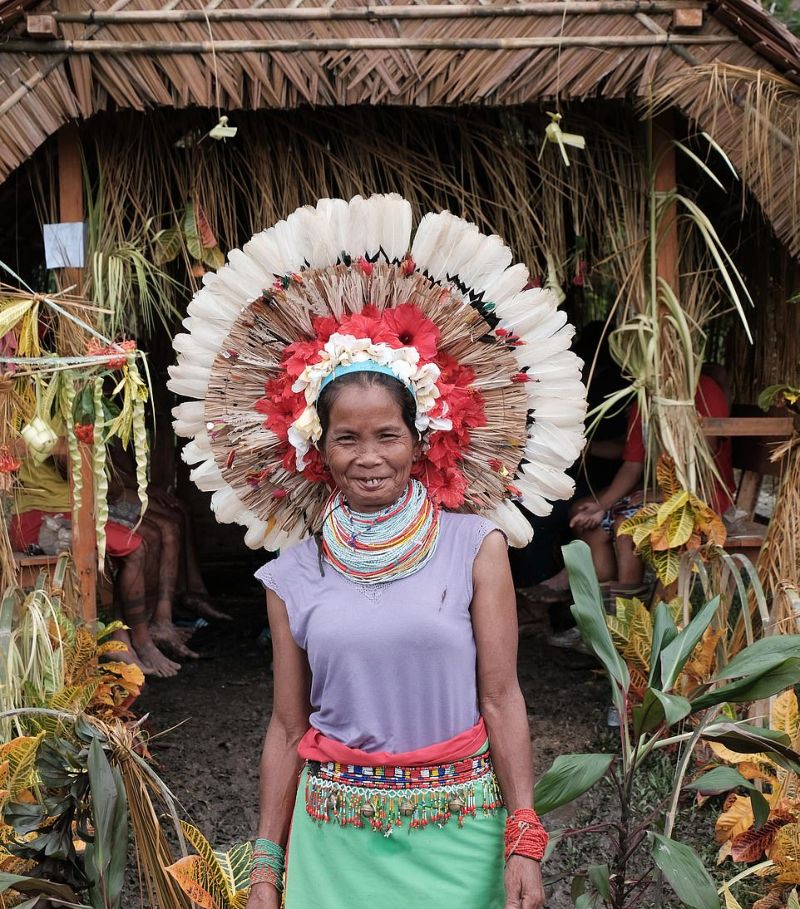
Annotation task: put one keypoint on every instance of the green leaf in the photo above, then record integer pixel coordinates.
(590, 615)
(168, 245)
(658, 707)
(569, 776)
(752, 688)
(745, 739)
(104, 805)
(25, 884)
(723, 779)
(678, 651)
(664, 633)
(598, 875)
(763, 654)
(191, 234)
(684, 872)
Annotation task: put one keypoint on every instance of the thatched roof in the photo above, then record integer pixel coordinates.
(250, 54)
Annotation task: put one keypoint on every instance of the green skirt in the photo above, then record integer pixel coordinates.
(357, 848)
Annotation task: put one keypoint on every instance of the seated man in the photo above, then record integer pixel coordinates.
(46, 491)
(596, 519)
(168, 518)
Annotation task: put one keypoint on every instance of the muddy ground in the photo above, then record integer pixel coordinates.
(216, 710)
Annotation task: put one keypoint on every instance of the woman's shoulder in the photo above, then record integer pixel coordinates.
(288, 569)
(467, 530)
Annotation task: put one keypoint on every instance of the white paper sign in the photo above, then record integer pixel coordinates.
(65, 244)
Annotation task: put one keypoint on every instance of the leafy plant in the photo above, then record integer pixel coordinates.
(780, 396)
(757, 671)
(749, 837)
(214, 879)
(663, 531)
(194, 235)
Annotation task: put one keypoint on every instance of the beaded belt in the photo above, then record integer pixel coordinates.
(385, 797)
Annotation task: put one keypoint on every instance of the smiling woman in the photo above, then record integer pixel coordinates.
(369, 440)
(367, 390)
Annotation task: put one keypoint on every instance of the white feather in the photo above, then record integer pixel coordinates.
(227, 506)
(188, 381)
(395, 229)
(512, 522)
(197, 450)
(189, 419)
(549, 481)
(532, 499)
(207, 477)
(243, 264)
(356, 227)
(532, 354)
(489, 261)
(436, 236)
(189, 351)
(506, 286)
(289, 240)
(265, 251)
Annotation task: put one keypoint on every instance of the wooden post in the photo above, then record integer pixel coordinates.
(666, 182)
(71, 208)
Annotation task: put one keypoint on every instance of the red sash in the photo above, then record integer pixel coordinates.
(314, 746)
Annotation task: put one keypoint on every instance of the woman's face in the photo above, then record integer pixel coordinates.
(368, 447)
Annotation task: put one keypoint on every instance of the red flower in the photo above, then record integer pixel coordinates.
(324, 327)
(367, 324)
(445, 487)
(445, 449)
(84, 432)
(281, 406)
(298, 355)
(315, 470)
(410, 328)
(452, 372)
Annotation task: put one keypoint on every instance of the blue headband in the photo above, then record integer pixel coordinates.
(364, 366)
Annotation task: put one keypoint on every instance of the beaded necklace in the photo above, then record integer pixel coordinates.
(382, 546)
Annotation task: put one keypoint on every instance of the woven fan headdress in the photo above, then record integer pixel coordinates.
(500, 403)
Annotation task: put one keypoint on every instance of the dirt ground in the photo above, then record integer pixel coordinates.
(213, 715)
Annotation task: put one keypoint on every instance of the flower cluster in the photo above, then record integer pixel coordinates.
(406, 342)
(117, 352)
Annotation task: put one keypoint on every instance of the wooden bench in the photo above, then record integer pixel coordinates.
(754, 436)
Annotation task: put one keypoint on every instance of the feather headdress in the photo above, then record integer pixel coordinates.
(500, 402)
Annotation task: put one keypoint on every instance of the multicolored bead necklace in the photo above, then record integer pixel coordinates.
(374, 548)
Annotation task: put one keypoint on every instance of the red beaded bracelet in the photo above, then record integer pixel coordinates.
(525, 835)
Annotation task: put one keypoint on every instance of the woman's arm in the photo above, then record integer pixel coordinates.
(494, 622)
(280, 765)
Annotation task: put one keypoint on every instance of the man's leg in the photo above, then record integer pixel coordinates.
(162, 629)
(133, 600)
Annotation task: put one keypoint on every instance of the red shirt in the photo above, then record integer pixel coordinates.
(710, 402)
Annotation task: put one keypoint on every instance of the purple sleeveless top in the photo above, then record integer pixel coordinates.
(393, 665)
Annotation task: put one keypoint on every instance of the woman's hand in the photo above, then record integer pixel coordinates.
(263, 896)
(523, 881)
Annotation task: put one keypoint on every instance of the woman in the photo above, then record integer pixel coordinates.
(374, 396)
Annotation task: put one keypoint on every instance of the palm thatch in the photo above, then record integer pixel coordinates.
(237, 54)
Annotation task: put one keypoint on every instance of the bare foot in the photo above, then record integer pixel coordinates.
(200, 603)
(170, 638)
(155, 662)
(126, 653)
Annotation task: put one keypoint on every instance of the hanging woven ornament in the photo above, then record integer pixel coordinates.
(500, 403)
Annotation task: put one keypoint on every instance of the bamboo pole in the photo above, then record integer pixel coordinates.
(71, 208)
(371, 12)
(289, 46)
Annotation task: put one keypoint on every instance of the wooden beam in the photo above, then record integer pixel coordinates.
(293, 46)
(71, 208)
(767, 427)
(373, 13)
